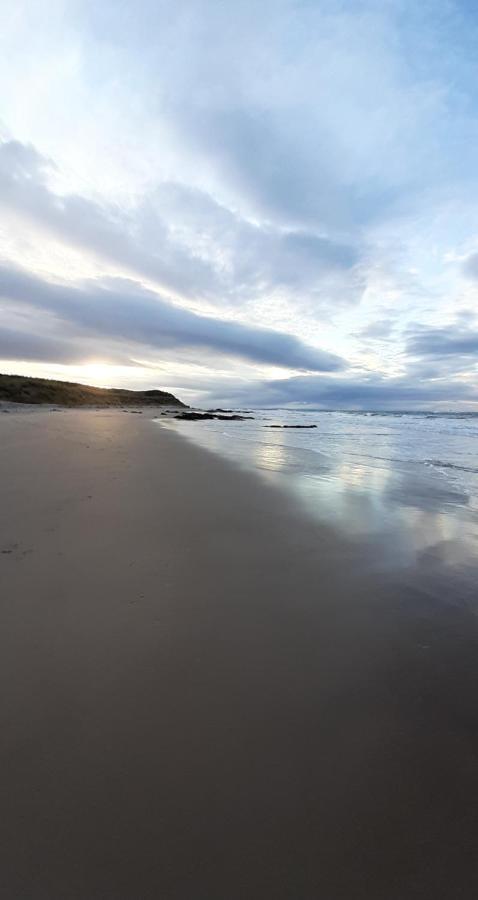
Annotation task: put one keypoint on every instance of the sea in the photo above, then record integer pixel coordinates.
(405, 482)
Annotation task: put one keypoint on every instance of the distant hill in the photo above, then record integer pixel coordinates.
(17, 389)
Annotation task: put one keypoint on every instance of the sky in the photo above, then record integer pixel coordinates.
(244, 203)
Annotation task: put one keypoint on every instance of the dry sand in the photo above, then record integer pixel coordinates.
(206, 696)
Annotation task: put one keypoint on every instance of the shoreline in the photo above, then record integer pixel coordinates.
(208, 696)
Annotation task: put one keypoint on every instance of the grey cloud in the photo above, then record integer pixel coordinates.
(380, 329)
(109, 233)
(454, 341)
(467, 316)
(179, 237)
(258, 153)
(47, 339)
(290, 129)
(20, 345)
(259, 259)
(470, 267)
(332, 392)
(122, 309)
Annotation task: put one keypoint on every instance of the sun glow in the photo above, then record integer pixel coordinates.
(97, 374)
(106, 375)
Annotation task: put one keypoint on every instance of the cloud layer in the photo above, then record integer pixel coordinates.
(121, 309)
(251, 187)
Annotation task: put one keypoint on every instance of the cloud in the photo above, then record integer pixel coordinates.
(332, 392)
(454, 340)
(381, 329)
(122, 309)
(16, 344)
(302, 166)
(176, 236)
(322, 116)
(470, 267)
(110, 233)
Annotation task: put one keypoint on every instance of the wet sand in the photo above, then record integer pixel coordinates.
(207, 696)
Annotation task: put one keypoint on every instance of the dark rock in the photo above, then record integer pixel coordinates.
(194, 416)
(204, 416)
(235, 418)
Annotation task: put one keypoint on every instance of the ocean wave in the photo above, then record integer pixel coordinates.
(442, 464)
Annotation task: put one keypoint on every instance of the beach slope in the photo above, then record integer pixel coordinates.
(207, 696)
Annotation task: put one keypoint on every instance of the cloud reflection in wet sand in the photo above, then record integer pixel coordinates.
(402, 510)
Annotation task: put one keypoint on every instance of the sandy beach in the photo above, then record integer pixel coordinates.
(206, 695)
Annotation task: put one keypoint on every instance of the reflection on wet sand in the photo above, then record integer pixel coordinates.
(271, 456)
(400, 510)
